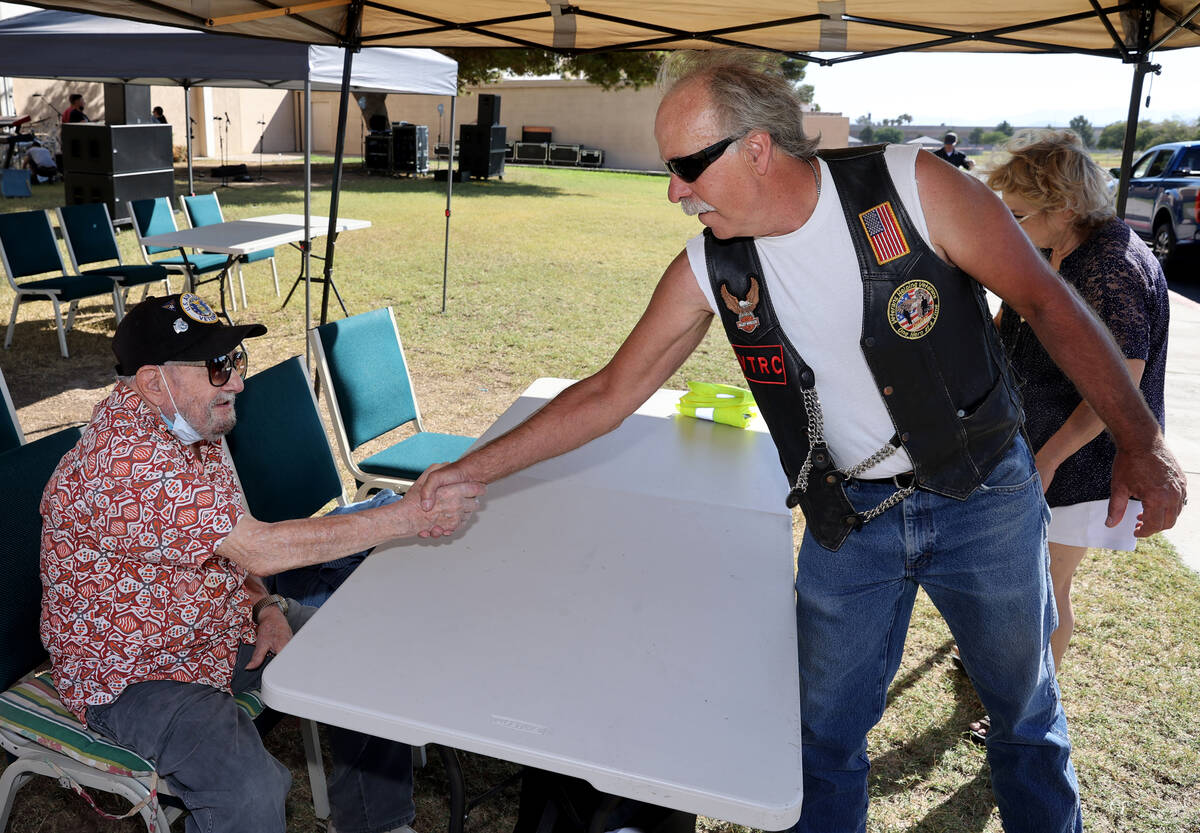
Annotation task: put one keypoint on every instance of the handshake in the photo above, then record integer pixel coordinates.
(442, 502)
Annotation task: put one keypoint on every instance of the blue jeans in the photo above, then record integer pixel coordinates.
(984, 564)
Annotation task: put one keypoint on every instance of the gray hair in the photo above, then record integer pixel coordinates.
(748, 92)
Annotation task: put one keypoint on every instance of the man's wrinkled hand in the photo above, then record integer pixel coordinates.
(1157, 480)
(272, 634)
(449, 507)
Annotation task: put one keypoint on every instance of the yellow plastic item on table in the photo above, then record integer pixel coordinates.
(726, 404)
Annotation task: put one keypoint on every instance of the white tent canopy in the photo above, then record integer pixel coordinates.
(81, 47)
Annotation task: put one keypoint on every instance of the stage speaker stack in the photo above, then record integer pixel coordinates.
(481, 146)
(116, 163)
(410, 148)
(377, 152)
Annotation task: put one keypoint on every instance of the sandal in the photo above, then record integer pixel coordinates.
(979, 729)
(956, 659)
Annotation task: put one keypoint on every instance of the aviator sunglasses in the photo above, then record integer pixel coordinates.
(688, 168)
(220, 368)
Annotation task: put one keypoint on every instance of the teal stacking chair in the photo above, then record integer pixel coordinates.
(11, 434)
(88, 232)
(27, 248)
(14, 182)
(286, 470)
(154, 216)
(361, 364)
(205, 210)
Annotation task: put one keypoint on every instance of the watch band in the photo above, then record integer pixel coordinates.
(266, 601)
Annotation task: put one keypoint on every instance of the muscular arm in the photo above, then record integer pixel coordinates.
(268, 548)
(972, 229)
(669, 330)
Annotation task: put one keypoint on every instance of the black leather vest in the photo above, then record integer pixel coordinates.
(927, 337)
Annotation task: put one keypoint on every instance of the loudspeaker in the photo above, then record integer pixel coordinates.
(410, 148)
(481, 149)
(377, 153)
(489, 109)
(117, 190)
(127, 104)
(117, 148)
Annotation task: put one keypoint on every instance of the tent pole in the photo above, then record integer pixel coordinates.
(449, 190)
(352, 23)
(187, 130)
(1131, 122)
(307, 217)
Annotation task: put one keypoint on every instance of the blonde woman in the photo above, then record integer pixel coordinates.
(1061, 199)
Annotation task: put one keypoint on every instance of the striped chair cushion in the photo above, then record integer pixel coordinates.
(31, 709)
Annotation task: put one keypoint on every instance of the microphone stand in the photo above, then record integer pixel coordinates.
(261, 141)
(221, 136)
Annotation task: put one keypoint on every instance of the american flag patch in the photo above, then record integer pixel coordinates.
(887, 240)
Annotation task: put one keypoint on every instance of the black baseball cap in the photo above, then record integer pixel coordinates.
(175, 328)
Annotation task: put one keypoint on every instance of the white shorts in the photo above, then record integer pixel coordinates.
(1082, 525)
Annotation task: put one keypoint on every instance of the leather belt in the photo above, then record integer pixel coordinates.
(900, 481)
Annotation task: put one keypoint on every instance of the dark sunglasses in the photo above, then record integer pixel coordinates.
(688, 168)
(220, 368)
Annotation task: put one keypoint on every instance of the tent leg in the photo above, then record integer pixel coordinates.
(449, 191)
(1131, 123)
(351, 44)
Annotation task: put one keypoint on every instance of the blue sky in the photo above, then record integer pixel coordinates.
(1025, 90)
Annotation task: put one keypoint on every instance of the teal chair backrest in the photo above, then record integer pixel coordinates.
(90, 232)
(203, 210)
(153, 216)
(279, 446)
(11, 435)
(368, 374)
(24, 472)
(28, 242)
(14, 182)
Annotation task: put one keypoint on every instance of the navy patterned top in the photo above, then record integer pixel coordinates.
(1117, 275)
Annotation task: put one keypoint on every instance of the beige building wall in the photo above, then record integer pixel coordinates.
(620, 122)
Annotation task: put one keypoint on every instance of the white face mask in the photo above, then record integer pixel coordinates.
(181, 428)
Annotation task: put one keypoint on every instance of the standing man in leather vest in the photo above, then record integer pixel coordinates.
(850, 286)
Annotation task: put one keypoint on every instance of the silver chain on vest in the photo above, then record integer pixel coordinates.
(816, 435)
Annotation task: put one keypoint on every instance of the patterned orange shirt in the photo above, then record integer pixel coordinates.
(132, 589)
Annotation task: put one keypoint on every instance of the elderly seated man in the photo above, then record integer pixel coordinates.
(152, 610)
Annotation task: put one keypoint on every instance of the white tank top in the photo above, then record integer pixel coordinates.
(812, 275)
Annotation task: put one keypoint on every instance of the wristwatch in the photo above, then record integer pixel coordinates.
(267, 601)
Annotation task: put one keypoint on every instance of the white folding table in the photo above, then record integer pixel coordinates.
(254, 234)
(623, 613)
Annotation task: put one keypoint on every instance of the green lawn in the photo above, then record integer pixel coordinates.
(549, 268)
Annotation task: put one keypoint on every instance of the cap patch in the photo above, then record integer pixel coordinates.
(197, 309)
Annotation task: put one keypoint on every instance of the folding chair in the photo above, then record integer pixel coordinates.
(14, 182)
(88, 232)
(361, 363)
(277, 416)
(11, 434)
(154, 216)
(28, 247)
(205, 210)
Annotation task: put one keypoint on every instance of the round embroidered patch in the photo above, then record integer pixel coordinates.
(197, 309)
(913, 309)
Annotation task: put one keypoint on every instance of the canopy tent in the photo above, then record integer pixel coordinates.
(1128, 30)
(81, 47)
